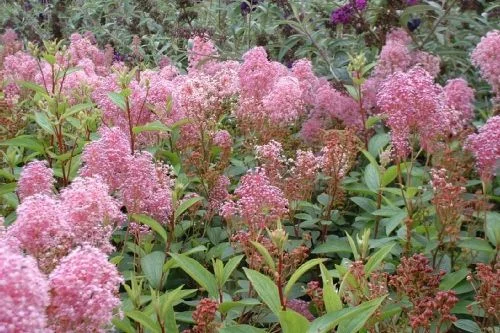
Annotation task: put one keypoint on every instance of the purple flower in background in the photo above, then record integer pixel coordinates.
(342, 15)
(361, 4)
(412, 2)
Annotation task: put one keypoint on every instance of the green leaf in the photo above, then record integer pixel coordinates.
(377, 258)
(292, 322)
(370, 158)
(33, 86)
(366, 204)
(450, 280)
(357, 315)
(227, 306)
(389, 175)
(265, 253)
(372, 177)
(493, 227)
(241, 329)
(330, 297)
(144, 320)
(198, 273)
(118, 99)
(332, 246)
(43, 121)
(7, 188)
(155, 126)
(152, 265)
(76, 108)
(144, 219)
(123, 325)
(378, 141)
(266, 289)
(370, 122)
(476, 244)
(301, 271)
(26, 141)
(467, 325)
(185, 206)
(229, 268)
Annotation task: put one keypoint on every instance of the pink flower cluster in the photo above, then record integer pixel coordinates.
(258, 203)
(396, 56)
(486, 56)
(36, 178)
(294, 176)
(141, 185)
(485, 146)
(24, 292)
(84, 292)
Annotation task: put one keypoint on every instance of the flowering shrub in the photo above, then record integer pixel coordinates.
(238, 188)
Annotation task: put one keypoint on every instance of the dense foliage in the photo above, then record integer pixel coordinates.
(249, 166)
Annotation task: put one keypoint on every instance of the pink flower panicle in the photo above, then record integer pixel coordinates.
(36, 178)
(84, 289)
(41, 230)
(488, 290)
(24, 292)
(284, 102)
(219, 193)
(412, 103)
(107, 157)
(201, 53)
(486, 56)
(91, 212)
(458, 99)
(258, 203)
(485, 146)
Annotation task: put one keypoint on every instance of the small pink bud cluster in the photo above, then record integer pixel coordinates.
(302, 307)
(416, 279)
(488, 289)
(204, 316)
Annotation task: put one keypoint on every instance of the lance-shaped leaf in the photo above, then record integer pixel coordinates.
(198, 273)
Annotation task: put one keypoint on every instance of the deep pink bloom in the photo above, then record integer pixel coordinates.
(84, 290)
(24, 293)
(36, 178)
(485, 145)
(412, 103)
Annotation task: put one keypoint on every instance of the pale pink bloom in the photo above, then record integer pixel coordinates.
(485, 146)
(24, 293)
(107, 157)
(486, 56)
(42, 231)
(36, 178)
(258, 203)
(458, 99)
(303, 71)
(201, 53)
(284, 102)
(257, 74)
(84, 289)
(92, 213)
